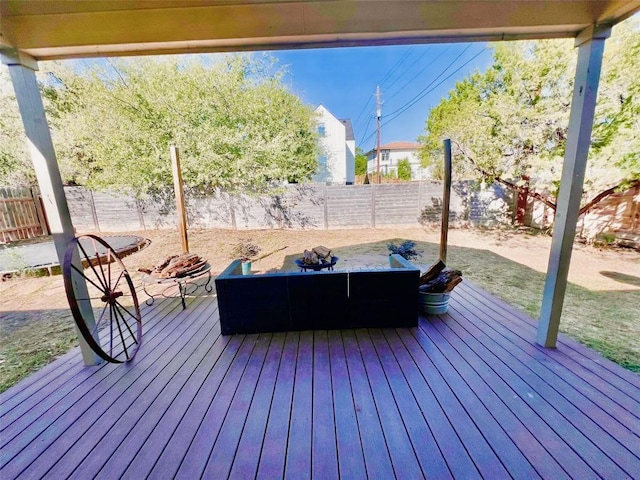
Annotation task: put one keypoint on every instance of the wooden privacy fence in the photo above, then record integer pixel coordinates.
(21, 214)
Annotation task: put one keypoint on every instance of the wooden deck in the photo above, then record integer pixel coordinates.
(465, 395)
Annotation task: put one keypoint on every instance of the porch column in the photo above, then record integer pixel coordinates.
(590, 45)
(22, 69)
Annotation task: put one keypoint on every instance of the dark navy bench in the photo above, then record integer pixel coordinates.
(284, 301)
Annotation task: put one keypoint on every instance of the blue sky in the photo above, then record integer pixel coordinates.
(412, 79)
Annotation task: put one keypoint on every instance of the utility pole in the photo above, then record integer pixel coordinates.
(378, 115)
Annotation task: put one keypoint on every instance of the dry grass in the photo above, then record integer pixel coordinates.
(601, 306)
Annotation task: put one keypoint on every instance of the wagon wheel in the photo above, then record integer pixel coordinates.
(117, 333)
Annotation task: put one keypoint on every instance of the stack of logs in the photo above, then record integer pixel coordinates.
(317, 256)
(176, 266)
(439, 279)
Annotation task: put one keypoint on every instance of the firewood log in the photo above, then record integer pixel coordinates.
(322, 252)
(439, 283)
(452, 284)
(432, 273)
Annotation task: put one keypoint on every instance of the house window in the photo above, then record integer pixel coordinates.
(384, 155)
(321, 130)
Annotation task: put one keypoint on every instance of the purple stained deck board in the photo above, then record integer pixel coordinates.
(140, 417)
(429, 455)
(374, 446)
(533, 390)
(621, 419)
(226, 444)
(464, 395)
(108, 406)
(348, 441)
(245, 462)
(566, 366)
(401, 450)
(200, 446)
(481, 452)
(324, 460)
(58, 420)
(274, 446)
(298, 455)
(448, 441)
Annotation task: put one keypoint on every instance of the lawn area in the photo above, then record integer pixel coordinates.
(601, 306)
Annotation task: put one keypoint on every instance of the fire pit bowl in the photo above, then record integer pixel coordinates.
(315, 267)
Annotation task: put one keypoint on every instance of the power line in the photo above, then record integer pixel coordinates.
(419, 73)
(426, 90)
(407, 70)
(436, 78)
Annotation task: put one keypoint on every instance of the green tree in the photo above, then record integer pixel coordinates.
(404, 169)
(16, 168)
(510, 122)
(237, 126)
(361, 162)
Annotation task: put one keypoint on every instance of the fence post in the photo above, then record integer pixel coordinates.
(179, 193)
(326, 208)
(446, 200)
(232, 210)
(373, 203)
(94, 211)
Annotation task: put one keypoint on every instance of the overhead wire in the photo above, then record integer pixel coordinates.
(425, 91)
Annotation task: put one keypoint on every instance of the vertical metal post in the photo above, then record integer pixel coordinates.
(590, 45)
(446, 201)
(378, 115)
(22, 69)
(179, 193)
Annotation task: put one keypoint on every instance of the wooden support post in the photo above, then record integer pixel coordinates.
(446, 201)
(179, 193)
(590, 45)
(23, 77)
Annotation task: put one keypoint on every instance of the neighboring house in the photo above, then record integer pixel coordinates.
(336, 163)
(391, 154)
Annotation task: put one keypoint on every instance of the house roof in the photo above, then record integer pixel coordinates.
(348, 129)
(400, 146)
(49, 29)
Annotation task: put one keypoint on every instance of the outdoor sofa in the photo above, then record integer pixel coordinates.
(287, 301)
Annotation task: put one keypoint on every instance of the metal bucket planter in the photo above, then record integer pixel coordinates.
(434, 303)
(246, 268)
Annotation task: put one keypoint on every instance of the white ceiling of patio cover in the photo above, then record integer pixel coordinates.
(48, 29)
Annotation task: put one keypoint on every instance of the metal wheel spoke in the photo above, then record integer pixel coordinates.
(109, 266)
(110, 332)
(127, 310)
(118, 280)
(124, 344)
(104, 277)
(91, 298)
(87, 278)
(104, 286)
(127, 325)
(97, 325)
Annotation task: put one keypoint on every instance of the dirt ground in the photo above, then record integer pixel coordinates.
(591, 268)
(601, 307)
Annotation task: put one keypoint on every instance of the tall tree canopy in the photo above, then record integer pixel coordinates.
(236, 124)
(510, 122)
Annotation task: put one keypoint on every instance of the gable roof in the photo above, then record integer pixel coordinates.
(348, 129)
(400, 146)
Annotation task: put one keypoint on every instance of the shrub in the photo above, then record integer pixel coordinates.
(406, 249)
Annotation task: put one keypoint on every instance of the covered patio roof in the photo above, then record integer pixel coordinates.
(49, 29)
(40, 30)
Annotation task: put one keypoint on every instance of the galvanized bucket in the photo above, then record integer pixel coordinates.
(434, 303)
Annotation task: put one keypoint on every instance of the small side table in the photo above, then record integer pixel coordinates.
(186, 284)
(304, 267)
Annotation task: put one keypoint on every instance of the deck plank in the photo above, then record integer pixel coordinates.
(554, 408)
(467, 394)
(274, 446)
(245, 463)
(621, 423)
(376, 455)
(348, 441)
(324, 458)
(298, 455)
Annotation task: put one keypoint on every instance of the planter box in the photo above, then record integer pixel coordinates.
(286, 301)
